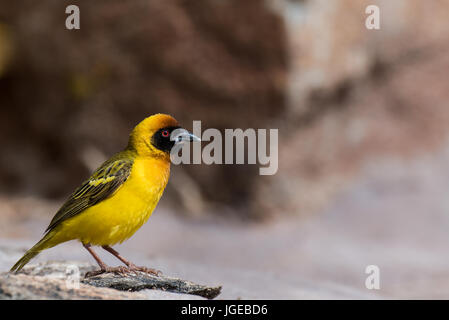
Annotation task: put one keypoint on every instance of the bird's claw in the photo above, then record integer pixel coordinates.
(123, 271)
(116, 270)
(151, 271)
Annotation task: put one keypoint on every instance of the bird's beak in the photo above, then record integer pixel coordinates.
(182, 135)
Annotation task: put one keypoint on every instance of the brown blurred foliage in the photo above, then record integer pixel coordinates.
(67, 93)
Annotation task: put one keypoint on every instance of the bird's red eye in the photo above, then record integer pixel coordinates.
(165, 133)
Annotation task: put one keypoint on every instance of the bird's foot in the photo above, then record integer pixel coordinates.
(117, 270)
(123, 271)
(151, 271)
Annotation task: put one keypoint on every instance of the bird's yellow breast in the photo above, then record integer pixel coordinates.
(118, 217)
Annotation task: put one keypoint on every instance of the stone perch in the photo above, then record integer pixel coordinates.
(140, 281)
(49, 281)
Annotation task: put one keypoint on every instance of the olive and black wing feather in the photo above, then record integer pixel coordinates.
(103, 183)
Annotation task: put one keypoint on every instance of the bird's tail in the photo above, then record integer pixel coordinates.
(43, 244)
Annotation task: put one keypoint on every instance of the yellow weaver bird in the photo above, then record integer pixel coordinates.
(119, 197)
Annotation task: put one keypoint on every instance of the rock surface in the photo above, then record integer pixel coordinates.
(66, 280)
(22, 286)
(49, 279)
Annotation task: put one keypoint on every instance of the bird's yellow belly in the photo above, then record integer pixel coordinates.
(117, 218)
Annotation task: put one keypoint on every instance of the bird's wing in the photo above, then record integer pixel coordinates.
(103, 183)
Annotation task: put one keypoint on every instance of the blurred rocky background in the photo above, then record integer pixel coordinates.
(362, 116)
(70, 98)
(339, 93)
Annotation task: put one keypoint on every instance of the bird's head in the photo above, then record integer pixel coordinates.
(157, 135)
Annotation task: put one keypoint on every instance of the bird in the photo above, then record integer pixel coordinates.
(119, 197)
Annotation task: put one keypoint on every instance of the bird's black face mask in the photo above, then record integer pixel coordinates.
(166, 138)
